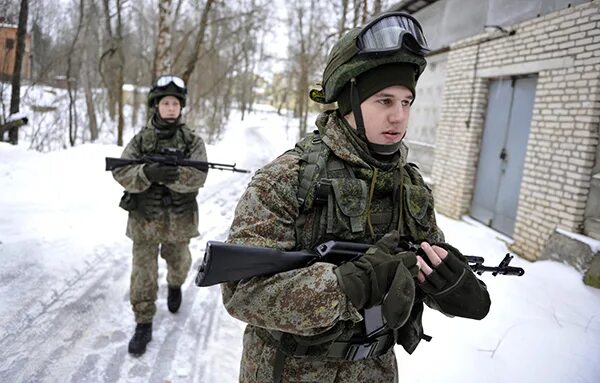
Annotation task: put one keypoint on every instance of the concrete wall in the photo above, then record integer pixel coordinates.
(425, 113)
(563, 49)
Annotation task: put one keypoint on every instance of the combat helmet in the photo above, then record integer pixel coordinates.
(393, 37)
(167, 85)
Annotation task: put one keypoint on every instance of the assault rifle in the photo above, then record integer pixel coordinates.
(170, 156)
(225, 262)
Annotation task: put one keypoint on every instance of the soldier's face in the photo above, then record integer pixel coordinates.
(169, 108)
(385, 115)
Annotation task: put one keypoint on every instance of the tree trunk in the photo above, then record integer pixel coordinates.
(15, 98)
(120, 75)
(191, 64)
(376, 7)
(342, 25)
(72, 82)
(91, 108)
(162, 56)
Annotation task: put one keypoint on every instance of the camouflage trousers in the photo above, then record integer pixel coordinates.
(144, 274)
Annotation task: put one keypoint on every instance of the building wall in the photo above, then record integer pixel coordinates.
(445, 22)
(563, 49)
(425, 113)
(8, 50)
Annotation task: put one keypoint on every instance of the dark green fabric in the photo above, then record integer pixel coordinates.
(150, 202)
(183, 202)
(400, 297)
(454, 288)
(376, 79)
(165, 129)
(367, 280)
(161, 174)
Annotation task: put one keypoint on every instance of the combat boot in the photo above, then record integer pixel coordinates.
(174, 299)
(142, 336)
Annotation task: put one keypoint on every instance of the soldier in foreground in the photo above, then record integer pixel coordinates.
(161, 200)
(349, 181)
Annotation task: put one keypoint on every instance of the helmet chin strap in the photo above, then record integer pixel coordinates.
(358, 118)
(380, 149)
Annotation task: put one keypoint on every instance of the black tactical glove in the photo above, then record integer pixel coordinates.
(161, 174)
(400, 298)
(183, 202)
(454, 288)
(367, 280)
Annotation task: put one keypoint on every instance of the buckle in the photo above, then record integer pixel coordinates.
(322, 190)
(360, 351)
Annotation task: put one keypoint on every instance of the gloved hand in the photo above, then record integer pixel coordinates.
(183, 202)
(161, 174)
(453, 286)
(400, 298)
(367, 280)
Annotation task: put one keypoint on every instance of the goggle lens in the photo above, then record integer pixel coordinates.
(390, 33)
(163, 81)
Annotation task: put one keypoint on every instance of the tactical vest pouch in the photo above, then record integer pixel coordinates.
(346, 208)
(128, 202)
(418, 202)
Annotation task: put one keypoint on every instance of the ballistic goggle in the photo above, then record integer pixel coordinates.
(164, 81)
(391, 32)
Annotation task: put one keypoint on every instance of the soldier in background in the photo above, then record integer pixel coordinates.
(349, 181)
(161, 200)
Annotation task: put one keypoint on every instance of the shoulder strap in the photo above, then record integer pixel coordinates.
(313, 161)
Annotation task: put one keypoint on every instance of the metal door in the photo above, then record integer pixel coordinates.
(503, 149)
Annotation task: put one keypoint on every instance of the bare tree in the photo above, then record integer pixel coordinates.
(162, 56)
(193, 59)
(308, 44)
(112, 63)
(15, 98)
(342, 25)
(71, 80)
(88, 61)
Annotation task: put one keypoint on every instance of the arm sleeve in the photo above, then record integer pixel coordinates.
(306, 301)
(132, 177)
(191, 179)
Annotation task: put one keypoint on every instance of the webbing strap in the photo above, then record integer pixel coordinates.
(278, 366)
(312, 167)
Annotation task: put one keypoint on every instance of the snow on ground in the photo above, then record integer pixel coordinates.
(64, 276)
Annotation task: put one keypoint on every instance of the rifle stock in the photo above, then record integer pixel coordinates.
(225, 262)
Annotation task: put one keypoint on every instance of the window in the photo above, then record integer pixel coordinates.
(9, 44)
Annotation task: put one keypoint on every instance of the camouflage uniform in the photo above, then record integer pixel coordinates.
(307, 305)
(163, 231)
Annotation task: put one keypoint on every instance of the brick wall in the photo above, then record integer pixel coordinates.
(563, 49)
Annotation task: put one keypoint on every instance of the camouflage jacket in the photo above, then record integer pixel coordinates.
(166, 226)
(308, 303)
